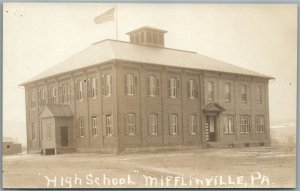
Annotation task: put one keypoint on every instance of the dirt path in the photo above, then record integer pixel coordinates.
(214, 167)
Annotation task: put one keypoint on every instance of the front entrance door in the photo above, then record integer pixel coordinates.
(211, 128)
(64, 136)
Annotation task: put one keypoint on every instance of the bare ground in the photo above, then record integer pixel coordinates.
(267, 167)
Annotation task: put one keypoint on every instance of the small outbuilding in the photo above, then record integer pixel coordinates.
(9, 147)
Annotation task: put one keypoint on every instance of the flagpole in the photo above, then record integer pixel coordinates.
(116, 23)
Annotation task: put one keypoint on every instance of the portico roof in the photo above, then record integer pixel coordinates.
(213, 107)
(56, 111)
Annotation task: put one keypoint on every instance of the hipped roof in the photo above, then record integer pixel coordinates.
(108, 50)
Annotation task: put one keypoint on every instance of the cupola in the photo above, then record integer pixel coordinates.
(148, 36)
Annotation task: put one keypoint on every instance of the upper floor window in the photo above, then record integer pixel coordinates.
(131, 124)
(153, 124)
(32, 100)
(244, 124)
(107, 85)
(244, 93)
(259, 94)
(130, 83)
(42, 97)
(173, 124)
(94, 126)
(53, 95)
(228, 124)
(81, 127)
(192, 89)
(65, 93)
(154, 86)
(109, 126)
(193, 124)
(93, 87)
(227, 92)
(173, 85)
(210, 90)
(259, 124)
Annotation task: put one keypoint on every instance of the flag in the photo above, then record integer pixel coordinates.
(104, 17)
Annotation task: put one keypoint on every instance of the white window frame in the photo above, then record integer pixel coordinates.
(244, 124)
(153, 124)
(80, 90)
(109, 126)
(130, 84)
(94, 126)
(81, 127)
(244, 93)
(229, 124)
(260, 124)
(210, 91)
(259, 94)
(131, 124)
(108, 85)
(173, 88)
(193, 124)
(192, 89)
(152, 86)
(228, 92)
(93, 87)
(173, 124)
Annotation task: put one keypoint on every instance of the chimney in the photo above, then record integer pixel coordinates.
(148, 36)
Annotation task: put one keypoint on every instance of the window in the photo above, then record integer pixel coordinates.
(154, 84)
(65, 93)
(153, 123)
(80, 90)
(53, 95)
(173, 87)
(32, 100)
(192, 89)
(33, 131)
(93, 88)
(107, 85)
(244, 124)
(259, 124)
(244, 93)
(129, 84)
(173, 124)
(259, 94)
(42, 98)
(109, 130)
(49, 131)
(94, 126)
(193, 124)
(227, 92)
(210, 88)
(228, 124)
(81, 127)
(131, 124)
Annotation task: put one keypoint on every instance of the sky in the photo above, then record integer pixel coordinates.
(258, 37)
